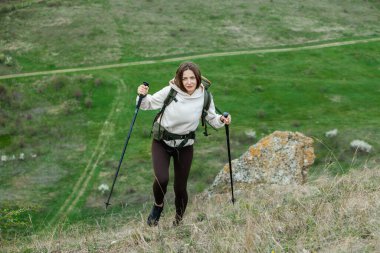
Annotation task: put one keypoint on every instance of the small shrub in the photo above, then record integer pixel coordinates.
(88, 102)
(296, 124)
(131, 190)
(3, 91)
(40, 90)
(78, 93)
(260, 114)
(3, 94)
(98, 82)
(59, 82)
(111, 164)
(3, 121)
(21, 143)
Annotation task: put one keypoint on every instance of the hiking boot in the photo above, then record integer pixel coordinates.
(177, 220)
(154, 215)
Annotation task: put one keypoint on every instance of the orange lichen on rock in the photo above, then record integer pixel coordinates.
(226, 168)
(309, 156)
(266, 141)
(255, 150)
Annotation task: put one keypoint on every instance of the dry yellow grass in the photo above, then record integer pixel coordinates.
(340, 214)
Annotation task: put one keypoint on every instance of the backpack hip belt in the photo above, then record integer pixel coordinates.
(160, 133)
(170, 136)
(167, 136)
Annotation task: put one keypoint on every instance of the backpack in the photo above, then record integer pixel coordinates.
(206, 104)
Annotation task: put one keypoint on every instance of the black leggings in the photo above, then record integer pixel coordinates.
(183, 157)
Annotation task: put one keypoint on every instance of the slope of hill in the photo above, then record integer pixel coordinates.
(340, 214)
(61, 135)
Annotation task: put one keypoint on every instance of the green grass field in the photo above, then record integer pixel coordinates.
(55, 34)
(71, 128)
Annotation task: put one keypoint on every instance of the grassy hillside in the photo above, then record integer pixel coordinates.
(51, 34)
(78, 146)
(61, 136)
(330, 214)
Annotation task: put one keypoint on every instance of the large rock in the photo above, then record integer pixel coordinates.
(280, 158)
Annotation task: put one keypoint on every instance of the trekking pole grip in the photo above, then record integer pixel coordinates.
(225, 114)
(141, 96)
(147, 85)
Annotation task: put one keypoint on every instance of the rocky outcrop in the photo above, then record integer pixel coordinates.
(280, 158)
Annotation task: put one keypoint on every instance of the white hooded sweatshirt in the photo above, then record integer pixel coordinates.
(181, 116)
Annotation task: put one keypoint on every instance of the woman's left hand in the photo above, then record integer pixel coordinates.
(225, 120)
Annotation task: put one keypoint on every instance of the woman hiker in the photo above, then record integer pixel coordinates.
(174, 133)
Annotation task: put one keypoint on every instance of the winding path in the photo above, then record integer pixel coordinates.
(107, 130)
(192, 57)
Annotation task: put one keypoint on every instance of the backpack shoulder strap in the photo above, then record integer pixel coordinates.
(207, 100)
(207, 97)
(170, 97)
(167, 101)
(206, 106)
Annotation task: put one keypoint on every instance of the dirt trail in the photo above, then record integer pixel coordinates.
(107, 130)
(193, 57)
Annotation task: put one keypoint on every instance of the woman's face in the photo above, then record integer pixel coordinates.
(189, 81)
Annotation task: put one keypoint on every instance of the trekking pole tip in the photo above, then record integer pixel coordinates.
(107, 204)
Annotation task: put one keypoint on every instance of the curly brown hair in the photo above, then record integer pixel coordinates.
(182, 68)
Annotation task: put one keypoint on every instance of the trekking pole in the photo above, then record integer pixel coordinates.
(125, 145)
(225, 114)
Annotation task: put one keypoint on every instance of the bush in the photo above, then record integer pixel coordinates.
(98, 82)
(78, 93)
(88, 102)
(3, 118)
(261, 114)
(21, 142)
(3, 93)
(59, 82)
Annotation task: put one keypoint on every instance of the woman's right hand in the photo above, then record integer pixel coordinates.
(142, 90)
